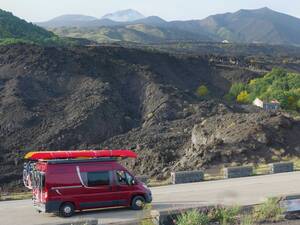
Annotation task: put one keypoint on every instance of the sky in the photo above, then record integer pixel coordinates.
(42, 10)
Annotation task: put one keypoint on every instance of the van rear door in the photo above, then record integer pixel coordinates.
(39, 189)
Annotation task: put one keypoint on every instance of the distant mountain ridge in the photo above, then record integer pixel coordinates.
(127, 15)
(244, 26)
(68, 21)
(112, 19)
(255, 26)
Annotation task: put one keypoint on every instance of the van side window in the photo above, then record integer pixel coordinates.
(124, 177)
(121, 177)
(98, 178)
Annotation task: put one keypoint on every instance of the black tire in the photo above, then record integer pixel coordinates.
(138, 203)
(67, 210)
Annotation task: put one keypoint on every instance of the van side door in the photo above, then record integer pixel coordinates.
(96, 191)
(124, 186)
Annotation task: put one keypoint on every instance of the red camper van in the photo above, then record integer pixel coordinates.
(63, 182)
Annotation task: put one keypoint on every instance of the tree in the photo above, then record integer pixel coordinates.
(277, 85)
(202, 91)
(292, 102)
(237, 88)
(243, 97)
(298, 104)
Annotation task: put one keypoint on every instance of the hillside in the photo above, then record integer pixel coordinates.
(11, 27)
(115, 97)
(138, 33)
(255, 26)
(245, 26)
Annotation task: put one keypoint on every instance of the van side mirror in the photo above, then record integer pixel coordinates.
(133, 182)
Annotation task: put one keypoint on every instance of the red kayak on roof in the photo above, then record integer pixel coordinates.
(73, 154)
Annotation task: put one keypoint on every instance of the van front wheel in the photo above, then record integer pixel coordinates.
(138, 203)
(66, 210)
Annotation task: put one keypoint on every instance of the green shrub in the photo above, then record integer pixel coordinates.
(202, 90)
(193, 217)
(247, 220)
(270, 211)
(225, 215)
(243, 97)
(237, 88)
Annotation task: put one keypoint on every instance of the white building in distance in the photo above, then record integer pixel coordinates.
(273, 105)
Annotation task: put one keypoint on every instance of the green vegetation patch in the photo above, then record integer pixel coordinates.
(269, 211)
(15, 30)
(193, 217)
(277, 85)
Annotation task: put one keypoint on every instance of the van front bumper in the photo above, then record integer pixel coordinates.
(48, 207)
(148, 197)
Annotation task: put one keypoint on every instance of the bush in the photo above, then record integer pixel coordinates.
(202, 91)
(225, 215)
(270, 211)
(193, 217)
(243, 97)
(237, 88)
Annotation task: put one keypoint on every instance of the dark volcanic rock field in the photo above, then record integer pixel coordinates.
(114, 97)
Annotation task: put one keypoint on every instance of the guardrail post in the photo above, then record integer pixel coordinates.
(239, 171)
(281, 167)
(187, 177)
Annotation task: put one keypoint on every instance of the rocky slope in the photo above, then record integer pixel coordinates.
(113, 97)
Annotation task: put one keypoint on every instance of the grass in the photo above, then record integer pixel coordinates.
(15, 196)
(147, 222)
(247, 220)
(270, 211)
(225, 215)
(193, 217)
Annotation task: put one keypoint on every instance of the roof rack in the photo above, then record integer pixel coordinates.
(71, 161)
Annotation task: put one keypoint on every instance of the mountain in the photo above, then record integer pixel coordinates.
(12, 27)
(127, 15)
(254, 26)
(68, 21)
(138, 33)
(245, 26)
(152, 20)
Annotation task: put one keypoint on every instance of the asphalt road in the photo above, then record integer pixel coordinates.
(240, 191)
